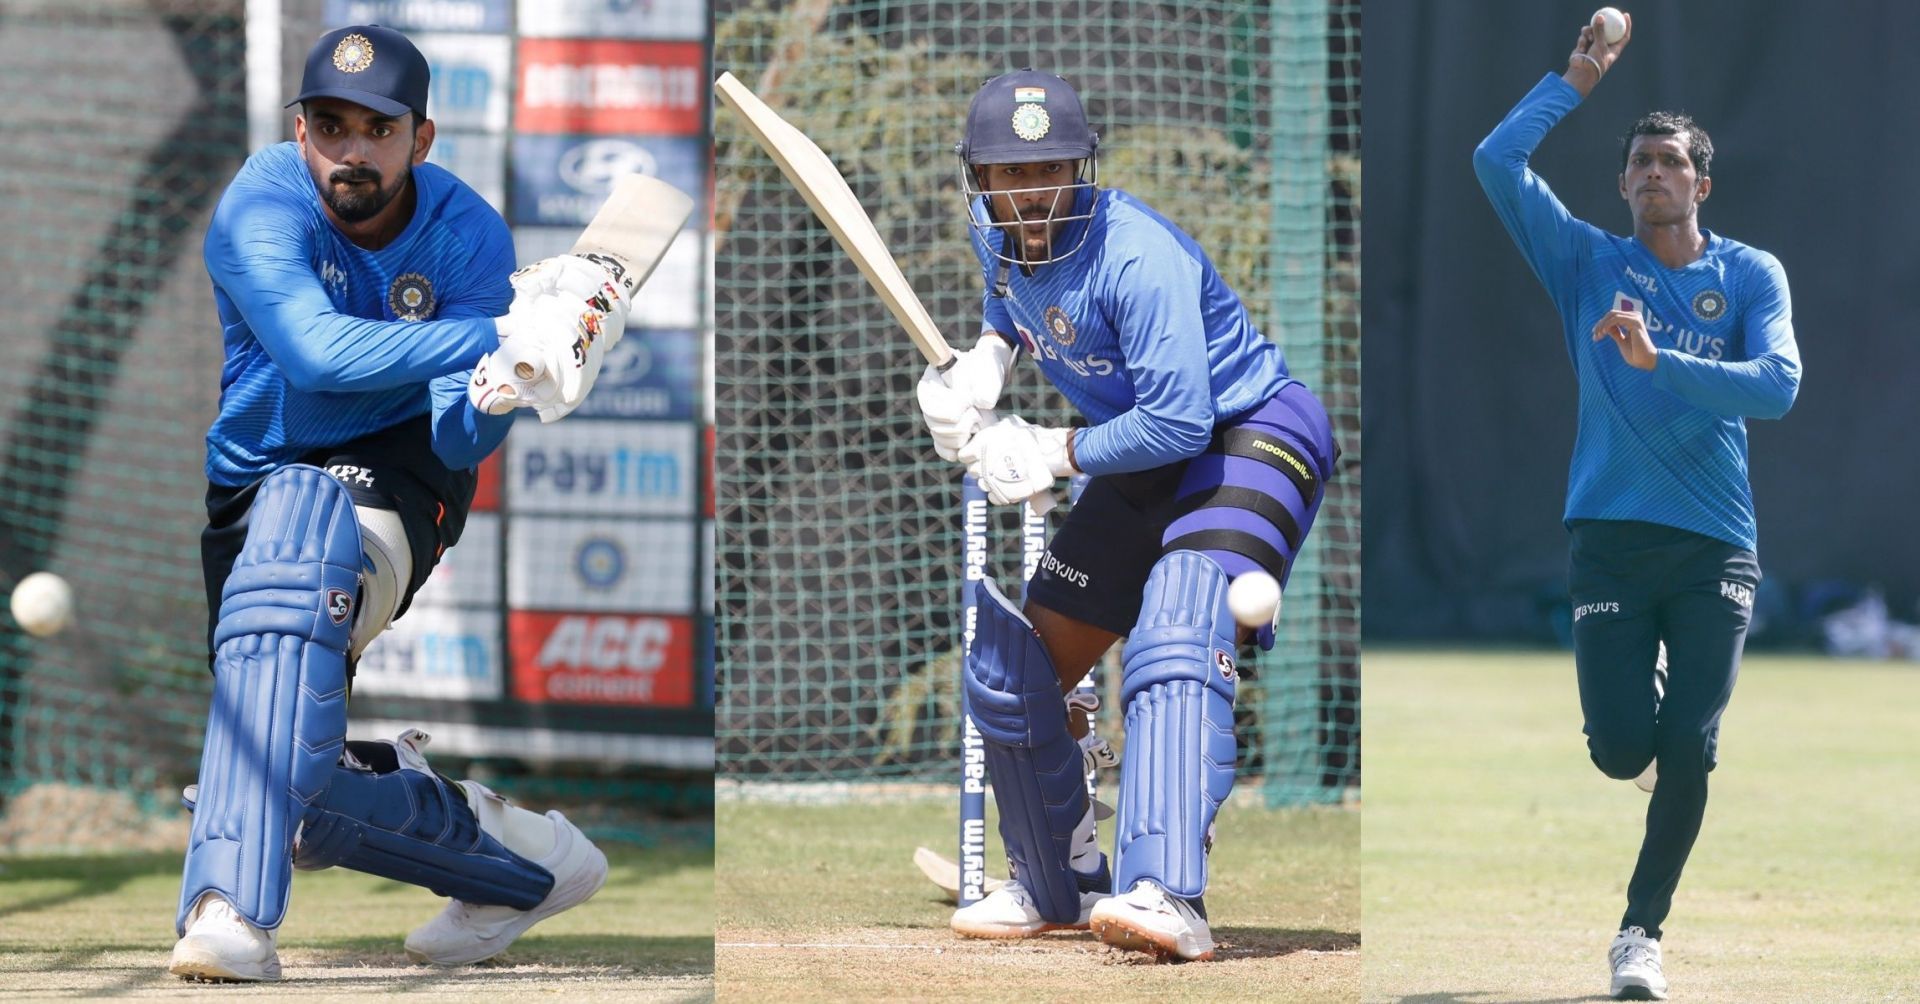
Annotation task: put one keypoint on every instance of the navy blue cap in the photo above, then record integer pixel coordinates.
(367, 65)
(1025, 117)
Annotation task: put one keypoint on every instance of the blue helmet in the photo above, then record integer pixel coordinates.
(1027, 116)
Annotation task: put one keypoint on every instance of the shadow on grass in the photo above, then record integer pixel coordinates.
(90, 875)
(1481, 996)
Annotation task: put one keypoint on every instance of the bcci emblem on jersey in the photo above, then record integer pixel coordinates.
(353, 54)
(411, 297)
(1709, 305)
(1060, 326)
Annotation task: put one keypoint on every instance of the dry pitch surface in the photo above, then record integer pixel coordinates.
(93, 927)
(1496, 857)
(824, 903)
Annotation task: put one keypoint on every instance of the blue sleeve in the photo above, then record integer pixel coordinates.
(1766, 382)
(255, 253)
(463, 437)
(1155, 297)
(1552, 241)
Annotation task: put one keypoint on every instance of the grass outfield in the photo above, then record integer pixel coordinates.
(824, 903)
(1496, 857)
(103, 926)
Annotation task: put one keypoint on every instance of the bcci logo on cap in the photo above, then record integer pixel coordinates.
(411, 297)
(353, 54)
(1031, 122)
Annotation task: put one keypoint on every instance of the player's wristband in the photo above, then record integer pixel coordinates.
(1597, 71)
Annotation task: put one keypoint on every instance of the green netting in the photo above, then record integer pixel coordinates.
(840, 548)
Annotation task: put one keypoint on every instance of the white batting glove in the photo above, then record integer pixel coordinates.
(566, 313)
(958, 403)
(1015, 460)
(495, 390)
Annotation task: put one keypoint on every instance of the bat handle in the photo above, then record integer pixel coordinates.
(525, 366)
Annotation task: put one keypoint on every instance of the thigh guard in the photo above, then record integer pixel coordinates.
(1177, 688)
(279, 713)
(1035, 766)
(388, 814)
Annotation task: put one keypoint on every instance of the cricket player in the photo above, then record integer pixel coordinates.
(1677, 335)
(361, 292)
(1208, 462)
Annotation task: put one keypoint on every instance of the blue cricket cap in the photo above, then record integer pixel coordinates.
(1024, 117)
(367, 65)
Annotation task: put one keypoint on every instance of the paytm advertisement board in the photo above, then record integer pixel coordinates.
(467, 80)
(452, 653)
(422, 15)
(583, 658)
(685, 19)
(602, 565)
(602, 468)
(562, 180)
(612, 87)
(671, 297)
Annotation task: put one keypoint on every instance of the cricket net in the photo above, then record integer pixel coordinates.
(841, 535)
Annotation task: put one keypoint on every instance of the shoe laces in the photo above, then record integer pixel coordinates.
(1632, 947)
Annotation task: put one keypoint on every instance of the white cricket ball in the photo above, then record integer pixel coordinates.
(1613, 24)
(1253, 598)
(42, 604)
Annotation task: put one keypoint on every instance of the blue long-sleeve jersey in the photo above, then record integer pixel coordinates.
(1670, 446)
(1138, 331)
(327, 341)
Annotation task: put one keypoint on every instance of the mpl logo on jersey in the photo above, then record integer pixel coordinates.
(432, 652)
(468, 77)
(584, 658)
(652, 373)
(680, 19)
(421, 15)
(670, 298)
(602, 564)
(611, 87)
(602, 468)
(562, 180)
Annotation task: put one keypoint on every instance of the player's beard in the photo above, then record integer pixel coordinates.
(354, 203)
(1037, 245)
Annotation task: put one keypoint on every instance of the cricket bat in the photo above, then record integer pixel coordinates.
(628, 236)
(808, 169)
(945, 874)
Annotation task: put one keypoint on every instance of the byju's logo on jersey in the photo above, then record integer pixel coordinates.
(1607, 607)
(1709, 305)
(1631, 304)
(411, 297)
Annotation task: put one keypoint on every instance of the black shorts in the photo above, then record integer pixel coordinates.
(1247, 501)
(394, 468)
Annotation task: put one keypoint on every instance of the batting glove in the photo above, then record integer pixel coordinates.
(959, 403)
(1015, 460)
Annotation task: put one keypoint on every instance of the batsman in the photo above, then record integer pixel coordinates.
(1208, 462)
(361, 293)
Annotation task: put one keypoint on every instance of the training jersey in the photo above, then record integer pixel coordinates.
(1137, 330)
(327, 341)
(1669, 446)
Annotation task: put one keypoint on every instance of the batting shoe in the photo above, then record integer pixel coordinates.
(1636, 967)
(1008, 912)
(1148, 919)
(221, 946)
(466, 933)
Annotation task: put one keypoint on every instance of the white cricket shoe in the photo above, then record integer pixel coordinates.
(1636, 967)
(1148, 919)
(1008, 912)
(222, 946)
(465, 933)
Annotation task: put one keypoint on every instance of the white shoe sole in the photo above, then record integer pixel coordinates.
(1133, 934)
(967, 929)
(576, 891)
(191, 962)
(1637, 991)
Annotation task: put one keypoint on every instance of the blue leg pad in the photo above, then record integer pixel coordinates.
(1034, 764)
(1177, 688)
(279, 713)
(390, 815)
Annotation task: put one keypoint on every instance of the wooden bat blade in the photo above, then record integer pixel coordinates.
(634, 228)
(810, 171)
